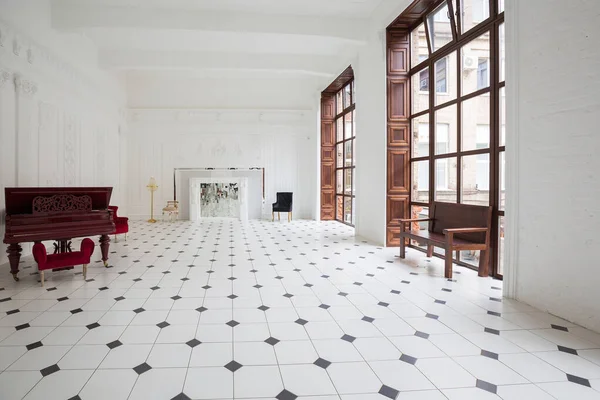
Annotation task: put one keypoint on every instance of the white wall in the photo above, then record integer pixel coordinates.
(554, 114)
(162, 140)
(59, 117)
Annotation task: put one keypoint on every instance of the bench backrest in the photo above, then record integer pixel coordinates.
(450, 215)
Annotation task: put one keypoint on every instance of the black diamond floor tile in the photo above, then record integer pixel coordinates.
(50, 370)
(488, 387)
(388, 392)
(320, 362)
(233, 366)
(114, 344)
(286, 395)
(140, 369)
(578, 380)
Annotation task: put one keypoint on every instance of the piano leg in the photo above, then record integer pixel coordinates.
(104, 243)
(14, 256)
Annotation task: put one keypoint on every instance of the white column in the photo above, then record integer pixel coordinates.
(26, 116)
(7, 146)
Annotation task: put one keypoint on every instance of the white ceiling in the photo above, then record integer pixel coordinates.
(345, 8)
(310, 41)
(311, 37)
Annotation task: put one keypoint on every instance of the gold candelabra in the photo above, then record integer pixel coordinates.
(152, 187)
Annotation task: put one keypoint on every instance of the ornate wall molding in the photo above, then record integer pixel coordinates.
(25, 86)
(24, 54)
(219, 116)
(4, 77)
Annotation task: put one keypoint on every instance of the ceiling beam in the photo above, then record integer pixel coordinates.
(71, 15)
(159, 60)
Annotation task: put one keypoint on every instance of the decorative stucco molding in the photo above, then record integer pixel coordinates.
(24, 86)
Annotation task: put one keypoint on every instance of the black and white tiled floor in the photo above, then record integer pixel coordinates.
(301, 310)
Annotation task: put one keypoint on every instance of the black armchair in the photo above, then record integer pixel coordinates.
(284, 203)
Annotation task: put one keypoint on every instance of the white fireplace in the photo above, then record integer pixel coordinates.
(225, 197)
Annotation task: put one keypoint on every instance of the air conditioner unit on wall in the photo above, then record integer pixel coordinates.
(470, 62)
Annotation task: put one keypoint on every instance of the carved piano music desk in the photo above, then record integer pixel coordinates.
(58, 214)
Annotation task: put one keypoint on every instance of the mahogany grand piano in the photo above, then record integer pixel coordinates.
(36, 214)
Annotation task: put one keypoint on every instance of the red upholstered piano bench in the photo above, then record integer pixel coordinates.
(61, 260)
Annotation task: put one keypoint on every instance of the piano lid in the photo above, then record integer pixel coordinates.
(20, 200)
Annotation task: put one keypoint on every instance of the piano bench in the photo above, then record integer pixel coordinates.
(61, 260)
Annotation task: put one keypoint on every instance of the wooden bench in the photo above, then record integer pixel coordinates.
(452, 227)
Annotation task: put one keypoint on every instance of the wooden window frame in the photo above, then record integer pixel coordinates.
(491, 25)
(341, 116)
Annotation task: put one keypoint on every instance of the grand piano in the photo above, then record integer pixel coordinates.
(35, 214)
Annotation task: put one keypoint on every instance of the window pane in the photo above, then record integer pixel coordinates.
(476, 123)
(420, 91)
(419, 212)
(420, 178)
(353, 123)
(476, 180)
(445, 79)
(470, 257)
(445, 180)
(473, 12)
(348, 154)
(500, 6)
(348, 210)
(340, 181)
(348, 181)
(353, 152)
(440, 31)
(502, 117)
(475, 74)
(339, 102)
(419, 49)
(347, 99)
(501, 246)
(348, 124)
(420, 138)
(339, 128)
(353, 211)
(502, 180)
(340, 155)
(502, 53)
(353, 182)
(446, 128)
(339, 210)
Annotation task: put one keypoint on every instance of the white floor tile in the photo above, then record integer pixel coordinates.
(445, 373)
(40, 358)
(126, 356)
(209, 383)
(14, 385)
(489, 370)
(109, 384)
(211, 355)
(532, 368)
(169, 356)
(307, 380)
(254, 353)
(400, 375)
(336, 350)
(519, 392)
(59, 385)
(377, 349)
(84, 357)
(159, 383)
(569, 391)
(261, 381)
(415, 346)
(353, 378)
